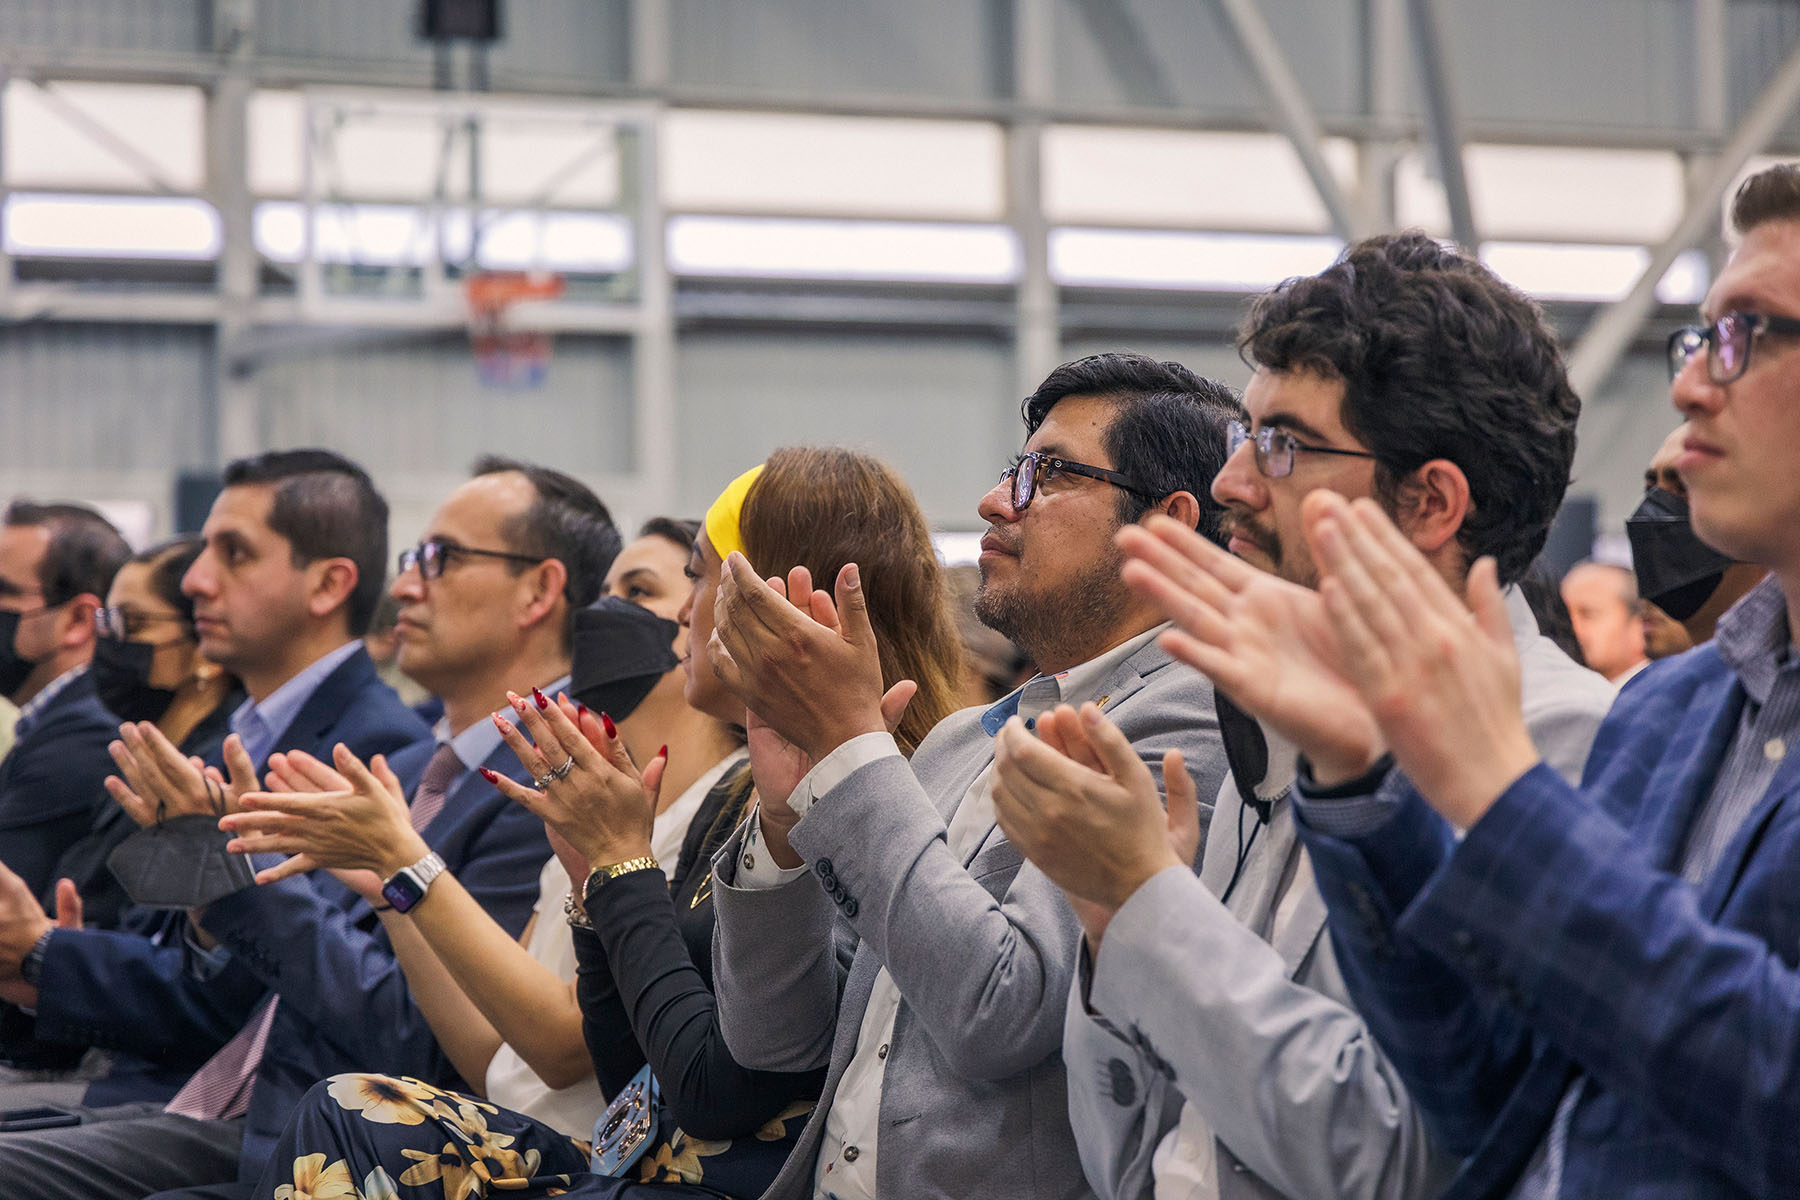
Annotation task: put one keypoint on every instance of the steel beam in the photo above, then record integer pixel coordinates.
(1611, 332)
(1442, 118)
(1037, 325)
(230, 421)
(1293, 113)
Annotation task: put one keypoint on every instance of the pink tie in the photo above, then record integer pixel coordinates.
(220, 1089)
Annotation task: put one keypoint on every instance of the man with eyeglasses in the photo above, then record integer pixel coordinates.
(942, 1037)
(56, 564)
(303, 966)
(1213, 1048)
(1592, 992)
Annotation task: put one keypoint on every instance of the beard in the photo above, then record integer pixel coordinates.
(1068, 621)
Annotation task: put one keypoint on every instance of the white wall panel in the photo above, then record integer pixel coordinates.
(939, 410)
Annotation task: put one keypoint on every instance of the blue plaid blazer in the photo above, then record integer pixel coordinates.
(1558, 940)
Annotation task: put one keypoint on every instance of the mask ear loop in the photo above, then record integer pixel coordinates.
(162, 811)
(216, 795)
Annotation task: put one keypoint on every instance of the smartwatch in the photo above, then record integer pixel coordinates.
(406, 887)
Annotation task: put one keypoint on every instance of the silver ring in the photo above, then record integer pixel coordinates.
(555, 773)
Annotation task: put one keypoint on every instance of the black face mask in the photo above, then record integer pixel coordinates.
(621, 651)
(1676, 571)
(179, 863)
(121, 674)
(14, 669)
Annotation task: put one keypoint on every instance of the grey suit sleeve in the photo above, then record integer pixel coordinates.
(1288, 1078)
(775, 968)
(1118, 1107)
(985, 976)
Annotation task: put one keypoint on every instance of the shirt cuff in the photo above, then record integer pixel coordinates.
(203, 963)
(839, 765)
(756, 869)
(1351, 810)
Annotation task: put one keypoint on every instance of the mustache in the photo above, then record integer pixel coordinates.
(997, 534)
(1240, 526)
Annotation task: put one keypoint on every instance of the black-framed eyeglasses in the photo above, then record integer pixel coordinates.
(1728, 339)
(121, 624)
(433, 555)
(1031, 468)
(1275, 448)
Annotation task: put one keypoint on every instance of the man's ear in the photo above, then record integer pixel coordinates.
(330, 581)
(1183, 506)
(1432, 504)
(76, 626)
(545, 583)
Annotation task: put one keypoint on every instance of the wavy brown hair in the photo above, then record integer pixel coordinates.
(820, 507)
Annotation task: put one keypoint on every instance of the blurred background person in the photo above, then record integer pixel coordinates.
(56, 562)
(1603, 607)
(1686, 585)
(147, 666)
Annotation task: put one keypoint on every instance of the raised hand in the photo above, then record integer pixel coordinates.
(588, 789)
(1440, 676)
(22, 922)
(1265, 642)
(1080, 803)
(360, 824)
(156, 781)
(809, 668)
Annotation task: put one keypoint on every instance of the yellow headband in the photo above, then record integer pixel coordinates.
(722, 518)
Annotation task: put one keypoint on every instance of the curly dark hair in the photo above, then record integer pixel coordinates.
(1439, 359)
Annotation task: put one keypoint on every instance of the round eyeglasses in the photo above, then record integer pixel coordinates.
(1727, 340)
(1031, 468)
(432, 556)
(123, 624)
(1275, 448)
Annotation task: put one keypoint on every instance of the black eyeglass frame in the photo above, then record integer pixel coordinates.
(121, 624)
(432, 555)
(1685, 342)
(1025, 482)
(1262, 444)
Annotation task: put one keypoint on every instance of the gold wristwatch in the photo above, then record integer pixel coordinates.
(600, 876)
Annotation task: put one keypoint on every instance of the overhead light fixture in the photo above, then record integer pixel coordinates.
(789, 248)
(67, 226)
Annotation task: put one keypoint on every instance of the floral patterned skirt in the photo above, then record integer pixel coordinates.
(380, 1137)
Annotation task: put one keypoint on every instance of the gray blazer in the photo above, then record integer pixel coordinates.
(1191, 1002)
(974, 1098)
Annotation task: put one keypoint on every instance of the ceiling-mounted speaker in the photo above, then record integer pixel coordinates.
(466, 20)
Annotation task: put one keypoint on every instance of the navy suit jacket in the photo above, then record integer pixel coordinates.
(52, 783)
(164, 1030)
(1558, 938)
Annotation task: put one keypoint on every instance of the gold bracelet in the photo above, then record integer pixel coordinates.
(600, 876)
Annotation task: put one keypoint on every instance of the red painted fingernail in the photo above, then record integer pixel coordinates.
(580, 712)
(663, 753)
(539, 697)
(606, 723)
(488, 775)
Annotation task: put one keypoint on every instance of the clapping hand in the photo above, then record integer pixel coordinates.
(159, 782)
(1081, 804)
(1439, 675)
(587, 789)
(348, 817)
(1265, 642)
(806, 664)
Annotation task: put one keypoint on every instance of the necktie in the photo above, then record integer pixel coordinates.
(220, 1089)
(440, 773)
